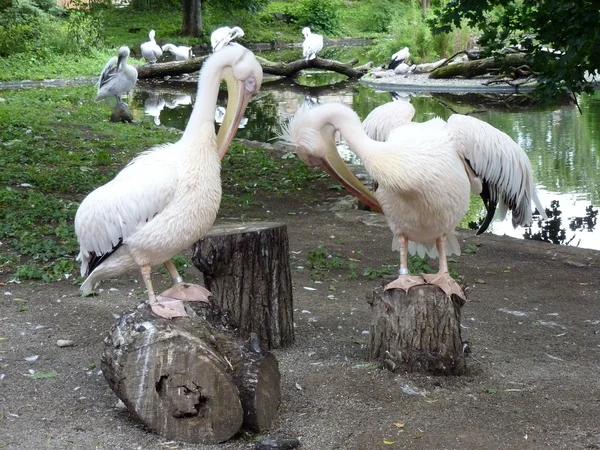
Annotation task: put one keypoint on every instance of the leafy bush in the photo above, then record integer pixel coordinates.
(371, 16)
(319, 15)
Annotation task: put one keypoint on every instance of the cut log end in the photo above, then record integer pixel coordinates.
(416, 331)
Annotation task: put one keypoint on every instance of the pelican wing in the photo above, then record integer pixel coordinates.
(111, 214)
(502, 167)
(109, 71)
(382, 120)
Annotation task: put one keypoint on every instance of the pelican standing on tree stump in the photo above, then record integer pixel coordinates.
(151, 51)
(223, 36)
(167, 198)
(313, 44)
(426, 173)
(117, 77)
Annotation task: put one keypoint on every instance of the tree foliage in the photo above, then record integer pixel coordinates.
(561, 36)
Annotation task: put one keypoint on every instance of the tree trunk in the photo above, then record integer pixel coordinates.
(192, 18)
(275, 68)
(418, 331)
(247, 269)
(470, 69)
(187, 379)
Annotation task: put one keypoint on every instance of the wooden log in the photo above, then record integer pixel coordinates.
(183, 378)
(416, 331)
(247, 269)
(280, 68)
(470, 69)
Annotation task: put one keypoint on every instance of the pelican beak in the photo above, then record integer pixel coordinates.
(239, 94)
(335, 166)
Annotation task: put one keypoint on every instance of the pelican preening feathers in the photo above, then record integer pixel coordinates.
(313, 44)
(401, 56)
(181, 53)
(223, 36)
(426, 173)
(167, 197)
(117, 77)
(151, 51)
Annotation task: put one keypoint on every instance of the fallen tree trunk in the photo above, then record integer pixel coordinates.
(280, 68)
(470, 69)
(188, 379)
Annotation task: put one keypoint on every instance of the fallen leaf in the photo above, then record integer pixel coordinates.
(43, 375)
(389, 442)
(480, 281)
(430, 399)
(399, 425)
(298, 387)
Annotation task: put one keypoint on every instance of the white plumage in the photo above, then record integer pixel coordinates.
(153, 106)
(223, 36)
(117, 77)
(426, 172)
(181, 52)
(167, 197)
(151, 51)
(401, 56)
(313, 44)
(385, 118)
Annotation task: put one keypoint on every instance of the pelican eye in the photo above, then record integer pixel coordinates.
(250, 83)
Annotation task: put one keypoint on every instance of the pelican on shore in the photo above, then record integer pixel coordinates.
(401, 56)
(117, 77)
(426, 172)
(313, 44)
(223, 36)
(181, 52)
(151, 51)
(167, 198)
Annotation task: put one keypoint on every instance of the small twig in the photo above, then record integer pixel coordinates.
(449, 60)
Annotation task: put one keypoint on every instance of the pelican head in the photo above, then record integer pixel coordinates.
(243, 78)
(306, 32)
(123, 54)
(151, 35)
(314, 140)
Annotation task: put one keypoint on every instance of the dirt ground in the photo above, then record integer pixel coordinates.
(533, 322)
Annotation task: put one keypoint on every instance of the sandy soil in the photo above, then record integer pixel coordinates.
(533, 322)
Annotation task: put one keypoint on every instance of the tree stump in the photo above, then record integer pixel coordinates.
(416, 331)
(188, 379)
(247, 269)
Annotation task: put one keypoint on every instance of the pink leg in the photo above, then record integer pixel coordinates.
(166, 308)
(184, 291)
(405, 280)
(443, 278)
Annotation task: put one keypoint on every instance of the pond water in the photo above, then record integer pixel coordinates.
(562, 143)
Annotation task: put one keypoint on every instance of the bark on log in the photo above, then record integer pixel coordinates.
(470, 69)
(273, 67)
(416, 331)
(187, 379)
(247, 269)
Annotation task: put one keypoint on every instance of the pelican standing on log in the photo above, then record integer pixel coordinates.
(117, 77)
(223, 36)
(426, 172)
(313, 44)
(181, 53)
(167, 197)
(151, 51)
(401, 56)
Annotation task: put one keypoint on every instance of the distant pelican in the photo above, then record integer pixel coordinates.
(382, 120)
(426, 172)
(182, 53)
(223, 36)
(150, 50)
(167, 197)
(313, 44)
(117, 77)
(401, 56)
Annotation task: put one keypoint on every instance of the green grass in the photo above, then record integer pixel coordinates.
(56, 145)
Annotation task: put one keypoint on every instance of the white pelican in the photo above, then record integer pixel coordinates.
(382, 120)
(117, 77)
(151, 51)
(313, 44)
(401, 56)
(223, 36)
(182, 53)
(426, 172)
(167, 197)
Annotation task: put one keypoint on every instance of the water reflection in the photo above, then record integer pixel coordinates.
(563, 145)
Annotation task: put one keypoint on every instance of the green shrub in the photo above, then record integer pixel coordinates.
(320, 15)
